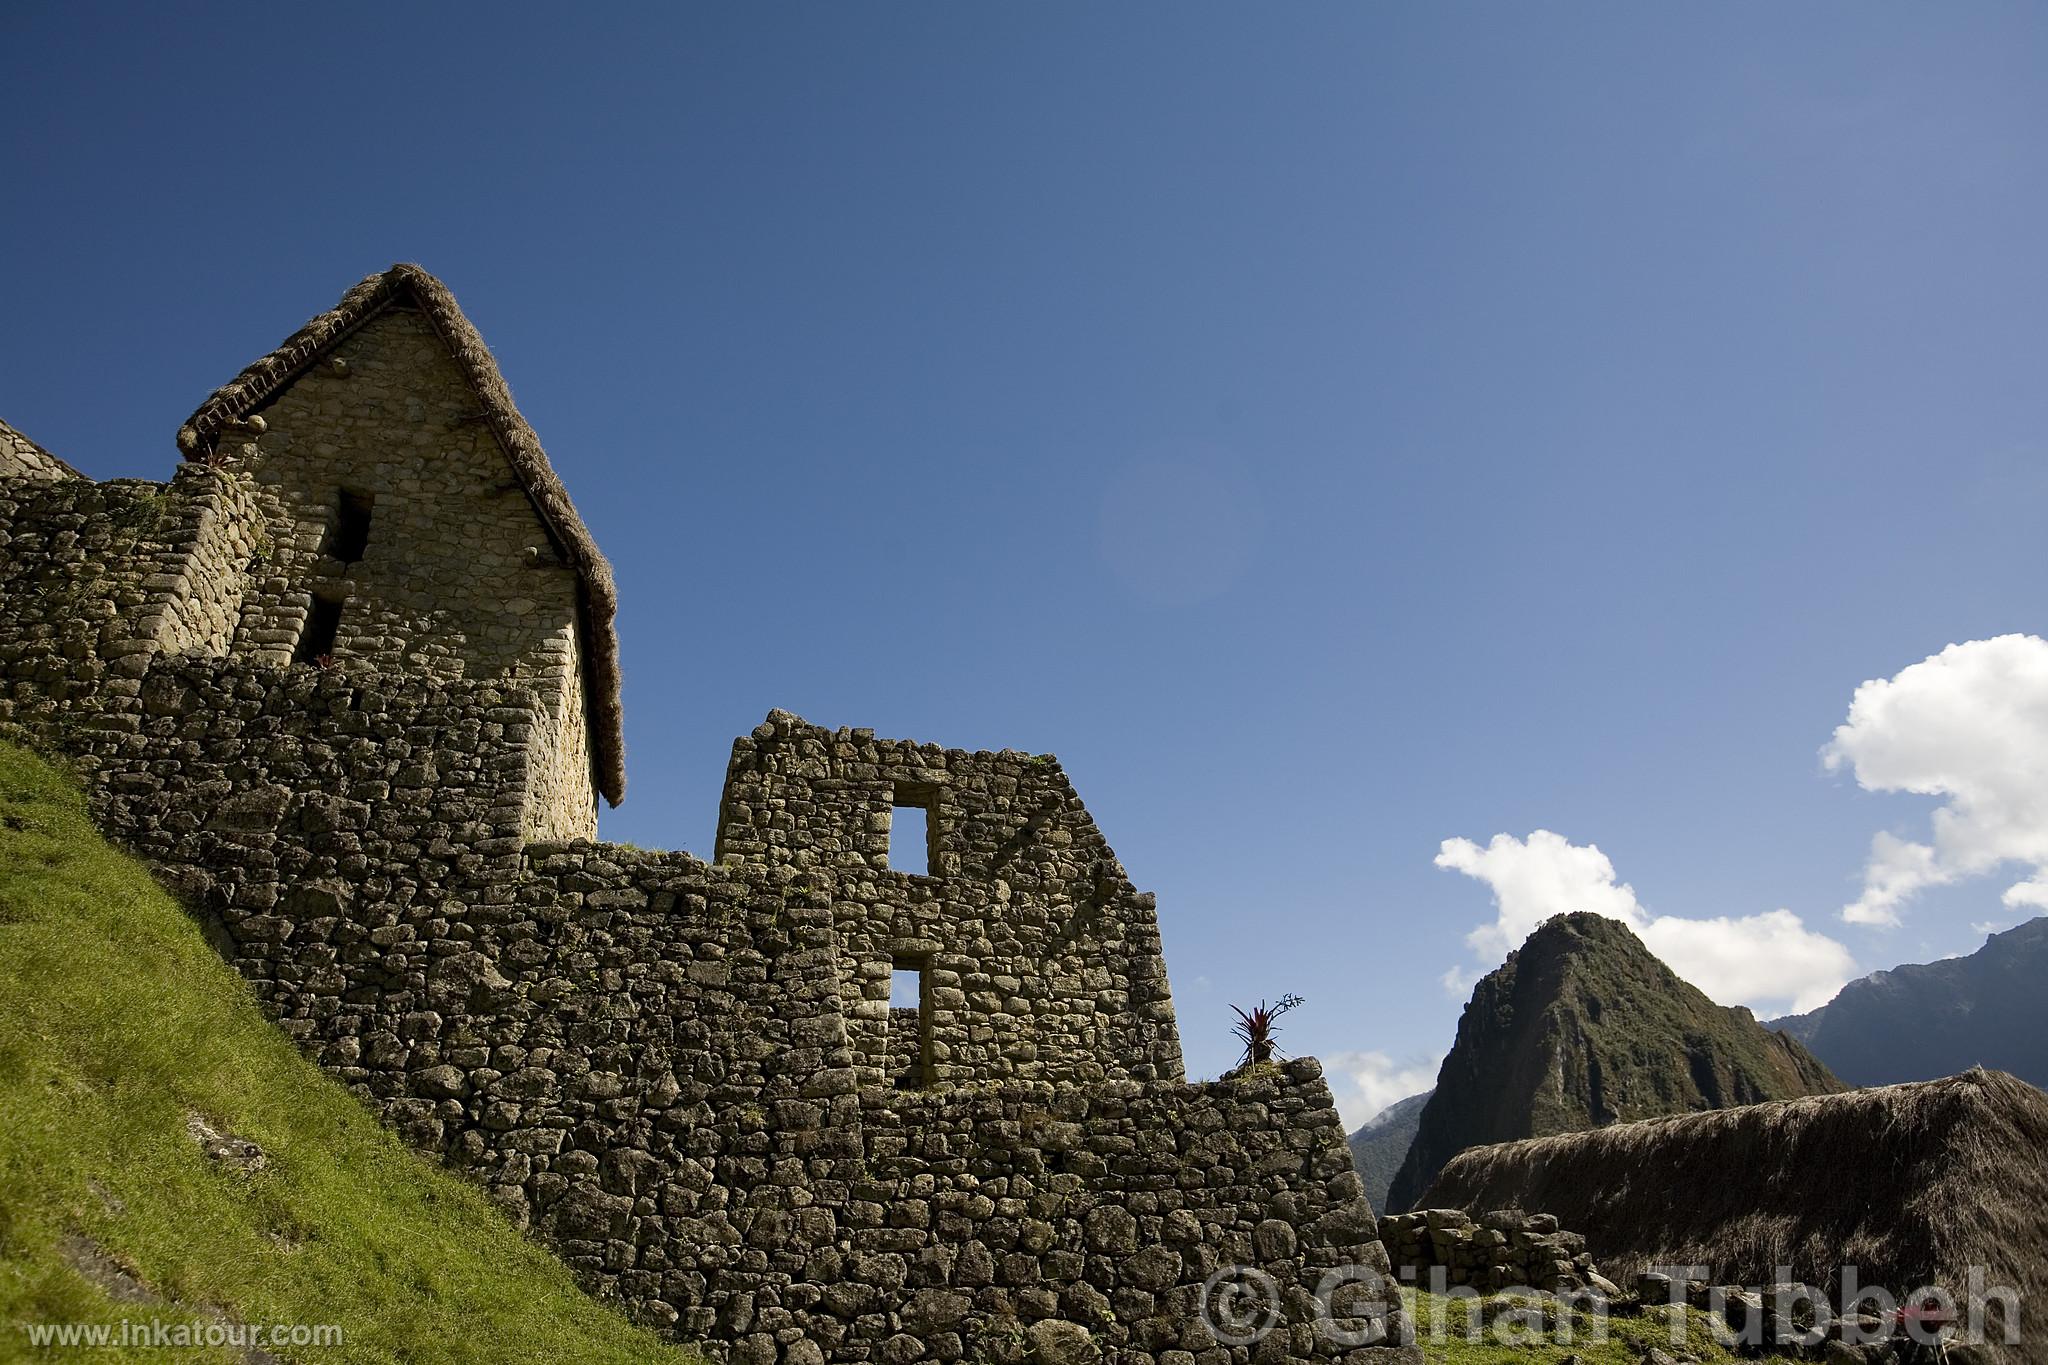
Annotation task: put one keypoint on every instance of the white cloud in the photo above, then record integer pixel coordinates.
(1768, 961)
(1762, 961)
(1534, 879)
(2031, 893)
(1970, 725)
(1363, 1083)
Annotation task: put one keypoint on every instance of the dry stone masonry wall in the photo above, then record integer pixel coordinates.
(21, 458)
(648, 1058)
(1490, 1253)
(96, 579)
(1039, 957)
(685, 1075)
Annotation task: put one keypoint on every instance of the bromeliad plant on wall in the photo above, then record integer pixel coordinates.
(1255, 1028)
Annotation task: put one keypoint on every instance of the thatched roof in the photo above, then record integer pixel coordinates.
(255, 385)
(1912, 1184)
(22, 458)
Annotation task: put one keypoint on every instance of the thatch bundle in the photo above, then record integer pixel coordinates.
(1911, 1184)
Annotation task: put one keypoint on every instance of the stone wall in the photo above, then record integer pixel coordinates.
(682, 1075)
(1041, 959)
(73, 556)
(21, 458)
(1107, 1206)
(98, 578)
(562, 785)
(457, 576)
(648, 1058)
(1490, 1253)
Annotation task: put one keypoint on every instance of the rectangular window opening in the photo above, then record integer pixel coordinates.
(350, 534)
(910, 831)
(909, 1024)
(323, 625)
(906, 987)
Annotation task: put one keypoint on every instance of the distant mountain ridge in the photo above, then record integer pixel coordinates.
(1381, 1144)
(1581, 1027)
(1926, 1020)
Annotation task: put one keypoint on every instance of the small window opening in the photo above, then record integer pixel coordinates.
(909, 1023)
(906, 988)
(323, 624)
(910, 831)
(350, 534)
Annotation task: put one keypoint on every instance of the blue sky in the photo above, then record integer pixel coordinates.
(1333, 429)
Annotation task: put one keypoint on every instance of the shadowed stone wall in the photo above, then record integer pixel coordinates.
(97, 579)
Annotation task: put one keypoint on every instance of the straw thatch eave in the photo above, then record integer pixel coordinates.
(598, 593)
(1912, 1184)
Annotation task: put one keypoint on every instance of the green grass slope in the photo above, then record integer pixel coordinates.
(1504, 1330)
(118, 1024)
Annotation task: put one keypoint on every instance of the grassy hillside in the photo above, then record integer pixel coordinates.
(119, 1027)
(1508, 1333)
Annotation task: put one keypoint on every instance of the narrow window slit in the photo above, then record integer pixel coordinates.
(909, 1024)
(323, 625)
(349, 536)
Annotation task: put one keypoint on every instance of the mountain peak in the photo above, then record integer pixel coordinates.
(1584, 1026)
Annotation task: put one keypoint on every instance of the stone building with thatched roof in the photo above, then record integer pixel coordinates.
(416, 527)
(382, 507)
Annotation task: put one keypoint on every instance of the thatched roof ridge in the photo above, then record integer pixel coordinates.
(262, 379)
(1910, 1183)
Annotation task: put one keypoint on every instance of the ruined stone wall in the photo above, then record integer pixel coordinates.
(98, 578)
(213, 533)
(1041, 959)
(679, 1073)
(21, 458)
(73, 556)
(458, 576)
(1500, 1250)
(648, 1058)
(1108, 1206)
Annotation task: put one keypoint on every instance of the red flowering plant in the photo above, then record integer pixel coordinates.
(1255, 1029)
